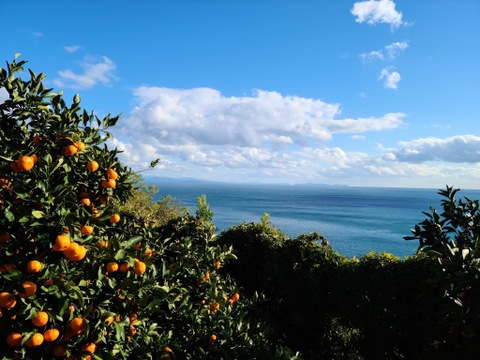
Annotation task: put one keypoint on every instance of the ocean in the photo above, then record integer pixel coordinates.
(354, 220)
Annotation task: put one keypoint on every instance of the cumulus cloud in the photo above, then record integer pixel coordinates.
(267, 131)
(389, 52)
(390, 78)
(373, 12)
(72, 49)
(174, 120)
(96, 70)
(455, 149)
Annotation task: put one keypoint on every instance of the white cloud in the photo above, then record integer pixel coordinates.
(95, 70)
(271, 133)
(389, 52)
(455, 149)
(72, 49)
(373, 12)
(37, 34)
(395, 48)
(390, 77)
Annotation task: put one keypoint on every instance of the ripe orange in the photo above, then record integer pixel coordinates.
(86, 229)
(69, 150)
(148, 252)
(115, 218)
(6, 267)
(51, 335)
(140, 268)
(108, 320)
(90, 347)
(35, 340)
(48, 282)
(80, 145)
(111, 267)
(7, 300)
(30, 288)
(14, 339)
(85, 201)
(77, 325)
(37, 139)
(40, 319)
(34, 266)
(213, 337)
(92, 166)
(25, 163)
(75, 252)
(133, 317)
(102, 244)
(61, 243)
(59, 350)
(235, 297)
(124, 267)
(112, 174)
(35, 159)
(109, 184)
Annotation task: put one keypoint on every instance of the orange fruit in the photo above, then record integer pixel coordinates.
(6, 267)
(7, 300)
(140, 268)
(4, 237)
(34, 266)
(77, 325)
(14, 166)
(213, 337)
(235, 297)
(103, 199)
(111, 267)
(37, 139)
(69, 150)
(86, 229)
(90, 347)
(61, 243)
(75, 252)
(40, 319)
(59, 350)
(108, 320)
(25, 163)
(80, 145)
(51, 335)
(35, 159)
(112, 174)
(148, 252)
(109, 184)
(48, 282)
(14, 339)
(115, 218)
(30, 288)
(92, 166)
(124, 267)
(133, 318)
(85, 201)
(35, 340)
(102, 244)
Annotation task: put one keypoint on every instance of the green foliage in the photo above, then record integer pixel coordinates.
(141, 205)
(452, 239)
(203, 211)
(145, 284)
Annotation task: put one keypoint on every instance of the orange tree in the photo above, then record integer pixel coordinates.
(77, 279)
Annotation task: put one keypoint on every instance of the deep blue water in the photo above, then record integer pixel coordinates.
(354, 220)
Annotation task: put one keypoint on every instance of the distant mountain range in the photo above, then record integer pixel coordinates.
(191, 180)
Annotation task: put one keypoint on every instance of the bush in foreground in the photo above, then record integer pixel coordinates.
(79, 279)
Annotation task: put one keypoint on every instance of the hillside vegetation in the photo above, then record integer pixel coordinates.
(92, 268)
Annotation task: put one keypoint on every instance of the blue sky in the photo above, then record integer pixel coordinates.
(367, 93)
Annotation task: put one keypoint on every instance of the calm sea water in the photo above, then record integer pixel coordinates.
(354, 220)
